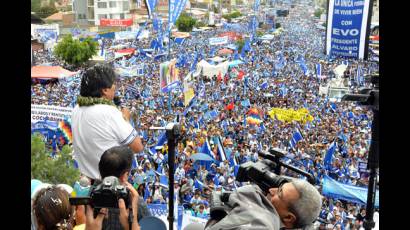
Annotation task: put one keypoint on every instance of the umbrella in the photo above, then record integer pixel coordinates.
(201, 157)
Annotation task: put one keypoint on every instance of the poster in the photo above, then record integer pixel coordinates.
(347, 22)
(169, 75)
(188, 89)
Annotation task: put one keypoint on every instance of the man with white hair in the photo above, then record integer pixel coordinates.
(295, 204)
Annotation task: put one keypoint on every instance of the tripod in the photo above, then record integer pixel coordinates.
(173, 134)
(370, 98)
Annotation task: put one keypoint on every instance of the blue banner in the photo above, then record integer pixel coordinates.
(162, 210)
(151, 4)
(347, 25)
(337, 190)
(177, 6)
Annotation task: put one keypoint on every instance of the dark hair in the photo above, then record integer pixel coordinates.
(95, 79)
(115, 161)
(53, 210)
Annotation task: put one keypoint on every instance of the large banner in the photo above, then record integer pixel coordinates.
(115, 22)
(289, 115)
(337, 190)
(218, 40)
(177, 6)
(347, 24)
(49, 113)
(189, 93)
(161, 211)
(151, 4)
(169, 75)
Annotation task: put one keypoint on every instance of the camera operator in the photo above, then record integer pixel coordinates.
(295, 204)
(117, 162)
(97, 124)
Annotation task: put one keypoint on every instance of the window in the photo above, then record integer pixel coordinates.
(101, 16)
(121, 16)
(90, 2)
(113, 4)
(125, 6)
(102, 5)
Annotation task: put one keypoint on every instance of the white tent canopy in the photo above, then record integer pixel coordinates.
(211, 70)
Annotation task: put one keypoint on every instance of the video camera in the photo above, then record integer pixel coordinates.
(104, 194)
(259, 173)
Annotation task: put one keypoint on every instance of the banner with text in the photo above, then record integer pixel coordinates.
(218, 40)
(169, 75)
(289, 115)
(347, 22)
(177, 6)
(161, 211)
(115, 22)
(49, 113)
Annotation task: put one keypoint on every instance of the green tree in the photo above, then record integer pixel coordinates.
(259, 33)
(185, 23)
(240, 43)
(46, 11)
(35, 5)
(200, 24)
(74, 52)
(318, 12)
(46, 169)
(277, 25)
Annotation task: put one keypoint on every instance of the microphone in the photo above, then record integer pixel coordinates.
(117, 101)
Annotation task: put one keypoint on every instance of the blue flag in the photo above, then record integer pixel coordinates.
(151, 4)
(297, 136)
(318, 69)
(329, 155)
(161, 141)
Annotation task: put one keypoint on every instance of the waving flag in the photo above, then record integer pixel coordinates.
(65, 127)
(206, 148)
(329, 155)
(151, 4)
(255, 116)
(177, 6)
(297, 136)
(161, 141)
(318, 69)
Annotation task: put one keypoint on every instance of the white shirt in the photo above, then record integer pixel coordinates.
(95, 129)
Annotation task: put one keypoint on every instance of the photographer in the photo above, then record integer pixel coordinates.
(117, 162)
(97, 124)
(295, 204)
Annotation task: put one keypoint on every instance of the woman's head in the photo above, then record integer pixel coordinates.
(52, 209)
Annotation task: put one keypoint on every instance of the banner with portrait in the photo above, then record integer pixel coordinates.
(169, 75)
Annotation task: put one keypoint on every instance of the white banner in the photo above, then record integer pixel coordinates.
(218, 40)
(188, 219)
(49, 113)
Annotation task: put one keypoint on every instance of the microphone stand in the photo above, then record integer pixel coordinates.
(370, 98)
(173, 134)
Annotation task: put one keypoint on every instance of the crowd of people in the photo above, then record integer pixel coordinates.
(269, 69)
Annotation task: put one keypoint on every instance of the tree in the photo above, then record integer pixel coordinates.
(277, 25)
(185, 23)
(46, 11)
(259, 33)
(318, 12)
(74, 52)
(46, 169)
(200, 24)
(35, 5)
(240, 43)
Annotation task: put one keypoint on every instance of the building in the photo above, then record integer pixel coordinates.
(91, 11)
